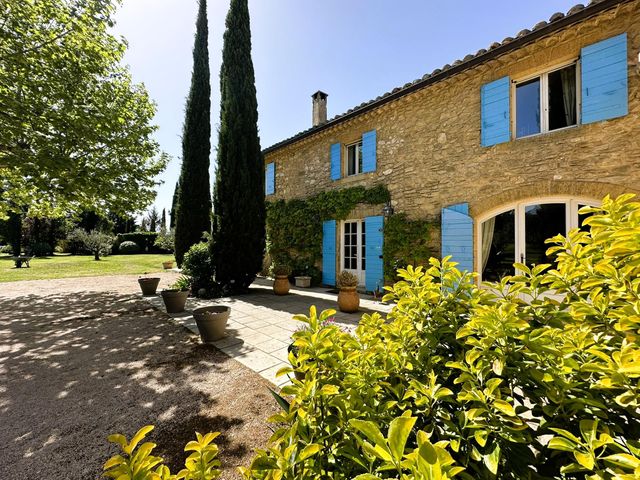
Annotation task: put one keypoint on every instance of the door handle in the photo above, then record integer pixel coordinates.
(522, 258)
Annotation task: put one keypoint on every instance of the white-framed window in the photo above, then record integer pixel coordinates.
(353, 162)
(548, 101)
(354, 240)
(517, 233)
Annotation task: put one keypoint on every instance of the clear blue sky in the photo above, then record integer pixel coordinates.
(354, 50)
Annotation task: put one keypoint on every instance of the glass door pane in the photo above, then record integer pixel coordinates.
(541, 222)
(498, 247)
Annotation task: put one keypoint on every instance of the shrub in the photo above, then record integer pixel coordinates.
(137, 463)
(479, 384)
(281, 270)
(128, 248)
(145, 240)
(74, 243)
(165, 241)
(197, 265)
(41, 249)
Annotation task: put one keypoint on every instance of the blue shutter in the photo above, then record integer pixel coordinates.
(457, 235)
(335, 161)
(270, 179)
(369, 152)
(494, 112)
(604, 80)
(329, 252)
(374, 274)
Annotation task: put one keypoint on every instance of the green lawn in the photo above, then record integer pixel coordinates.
(62, 266)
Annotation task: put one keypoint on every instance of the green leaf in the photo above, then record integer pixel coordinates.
(309, 450)
(623, 460)
(399, 431)
(585, 459)
(492, 460)
(560, 443)
(284, 404)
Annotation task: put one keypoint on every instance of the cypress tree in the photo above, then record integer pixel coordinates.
(174, 203)
(193, 210)
(238, 204)
(163, 221)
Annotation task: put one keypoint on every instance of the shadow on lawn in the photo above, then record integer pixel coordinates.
(75, 368)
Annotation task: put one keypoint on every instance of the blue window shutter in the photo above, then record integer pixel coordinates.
(369, 152)
(457, 235)
(329, 252)
(335, 161)
(374, 274)
(604, 80)
(494, 112)
(270, 179)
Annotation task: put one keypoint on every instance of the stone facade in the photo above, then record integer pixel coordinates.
(428, 142)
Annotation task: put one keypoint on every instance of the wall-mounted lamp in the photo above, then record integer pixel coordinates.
(387, 210)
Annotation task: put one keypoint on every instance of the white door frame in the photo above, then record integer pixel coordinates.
(359, 272)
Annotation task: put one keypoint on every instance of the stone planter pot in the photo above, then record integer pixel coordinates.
(168, 265)
(175, 300)
(281, 285)
(348, 300)
(149, 285)
(211, 322)
(303, 281)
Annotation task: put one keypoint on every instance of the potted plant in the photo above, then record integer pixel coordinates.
(303, 280)
(211, 321)
(348, 298)
(175, 297)
(281, 283)
(168, 265)
(148, 285)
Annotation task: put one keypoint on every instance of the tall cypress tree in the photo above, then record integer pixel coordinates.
(174, 204)
(238, 199)
(163, 221)
(193, 215)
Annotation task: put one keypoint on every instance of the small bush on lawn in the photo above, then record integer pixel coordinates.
(463, 382)
(41, 249)
(129, 248)
(197, 265)
(165, 241)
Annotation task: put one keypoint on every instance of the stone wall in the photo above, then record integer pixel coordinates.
(429, 153)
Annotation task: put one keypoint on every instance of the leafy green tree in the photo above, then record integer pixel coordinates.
(75, 131)
(193, 209)
(238, 205)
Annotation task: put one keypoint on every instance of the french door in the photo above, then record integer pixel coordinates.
(353, 248)
(518, 234)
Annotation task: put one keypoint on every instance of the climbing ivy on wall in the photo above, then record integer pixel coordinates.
(294, 227)
(294, 231)
(406, 242)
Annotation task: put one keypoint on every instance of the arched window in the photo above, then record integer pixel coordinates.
(516, 233)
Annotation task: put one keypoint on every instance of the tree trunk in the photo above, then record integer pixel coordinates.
(96, 255)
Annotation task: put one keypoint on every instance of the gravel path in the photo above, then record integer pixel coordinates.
(83, 358)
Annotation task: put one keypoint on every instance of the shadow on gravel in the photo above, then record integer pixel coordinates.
(75, 368)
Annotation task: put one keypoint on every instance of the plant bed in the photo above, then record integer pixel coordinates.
(211, 322)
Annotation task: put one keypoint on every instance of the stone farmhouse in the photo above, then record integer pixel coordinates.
(502, 147)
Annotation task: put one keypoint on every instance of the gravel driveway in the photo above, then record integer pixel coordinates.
(83, 358)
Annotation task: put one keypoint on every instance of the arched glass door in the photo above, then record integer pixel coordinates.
(518, 234)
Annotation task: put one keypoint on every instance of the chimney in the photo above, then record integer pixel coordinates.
(319, 108)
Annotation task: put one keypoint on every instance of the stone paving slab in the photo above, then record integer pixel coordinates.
(261, 323)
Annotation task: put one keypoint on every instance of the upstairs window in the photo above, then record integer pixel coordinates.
(354, 158)
(547, 102)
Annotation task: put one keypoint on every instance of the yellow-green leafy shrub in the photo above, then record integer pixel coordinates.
(137, 462)
(537, 378)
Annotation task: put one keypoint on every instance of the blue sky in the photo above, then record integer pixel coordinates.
(354, 50)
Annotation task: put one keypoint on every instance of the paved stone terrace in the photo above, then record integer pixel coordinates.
(260, 324)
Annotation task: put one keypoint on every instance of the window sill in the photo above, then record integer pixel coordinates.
(536, 135)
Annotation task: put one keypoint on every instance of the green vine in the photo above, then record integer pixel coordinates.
(294, 227)
(406, 242)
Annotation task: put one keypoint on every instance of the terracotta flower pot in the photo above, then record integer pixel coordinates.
(175, 300)
(168, 265)
(281, 285)
(211, 322)
(348, 300)
(298, 374)
(149, 285)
